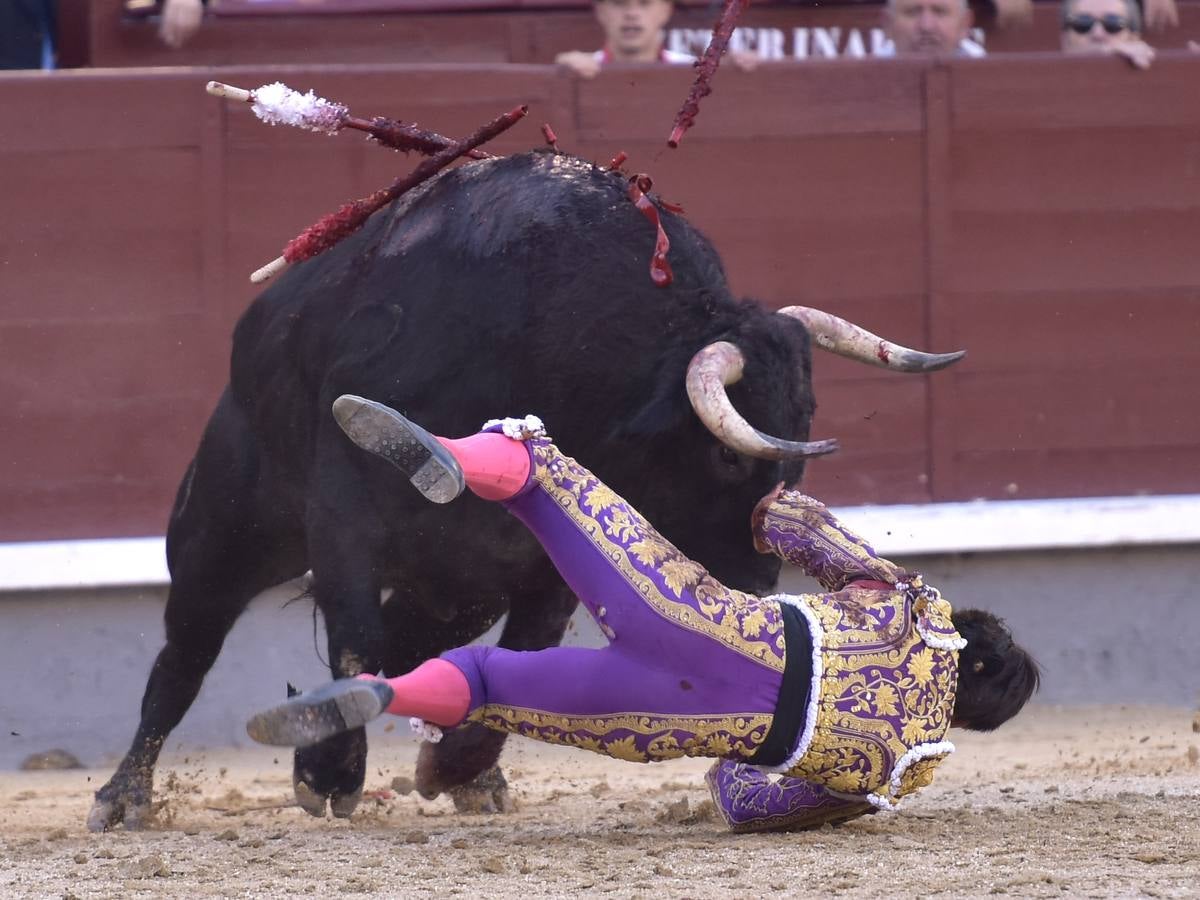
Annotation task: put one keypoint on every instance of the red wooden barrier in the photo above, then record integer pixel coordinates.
(1040, 213)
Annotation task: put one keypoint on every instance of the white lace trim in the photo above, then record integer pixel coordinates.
(427, 730)
(919, 752)
(278, 104)
(929, 594)
(518, 429)
(814, 691)
(939, 641)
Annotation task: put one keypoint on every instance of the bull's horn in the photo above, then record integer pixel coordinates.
(855, 342)
(710, 371)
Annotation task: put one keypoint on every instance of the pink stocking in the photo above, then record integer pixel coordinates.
(496, 467)
(436, 691)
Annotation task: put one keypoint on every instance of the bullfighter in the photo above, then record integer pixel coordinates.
(847, 694)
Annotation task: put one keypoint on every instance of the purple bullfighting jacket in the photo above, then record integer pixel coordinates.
(883, 679)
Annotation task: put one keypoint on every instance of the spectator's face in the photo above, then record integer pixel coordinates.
(926, 27)
(632, 28)
(1093, 26)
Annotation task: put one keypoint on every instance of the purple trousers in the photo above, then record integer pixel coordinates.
(692, 668)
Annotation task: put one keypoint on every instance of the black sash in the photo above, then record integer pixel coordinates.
(791, 710)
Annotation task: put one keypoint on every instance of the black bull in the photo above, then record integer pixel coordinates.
(500, 288)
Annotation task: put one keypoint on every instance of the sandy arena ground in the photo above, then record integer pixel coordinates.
(1063, 802)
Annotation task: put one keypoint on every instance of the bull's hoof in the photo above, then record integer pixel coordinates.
(487, 794)
(105, 815)
(115, 806)
(343, 805)
(331, 772)
(309, 800)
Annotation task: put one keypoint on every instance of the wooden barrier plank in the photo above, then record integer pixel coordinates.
(101, 234)
(76, 363)
(877, 417)
(861, 477)
(79, 509)
(1038, 171)
(1076, 410)
(1103, 332)
(1040, 473)
(941, 427)
(818, 222)
(1127, 250)
(821, 98)
(1052, 91)
(99, 111)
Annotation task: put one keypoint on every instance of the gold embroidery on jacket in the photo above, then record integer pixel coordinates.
(749, 625)
(883, 691)
(636, 737)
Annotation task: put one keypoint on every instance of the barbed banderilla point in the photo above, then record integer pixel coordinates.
(278, 104)
(706, 67)
(338, 225)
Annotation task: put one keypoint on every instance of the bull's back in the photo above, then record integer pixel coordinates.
(538, 257)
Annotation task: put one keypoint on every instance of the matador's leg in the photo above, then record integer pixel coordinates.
(637, 586)
(705, 649)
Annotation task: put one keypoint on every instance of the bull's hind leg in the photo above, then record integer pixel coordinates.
(465, 763)
(222, 551)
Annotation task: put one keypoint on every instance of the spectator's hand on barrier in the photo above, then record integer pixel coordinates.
(581, 63)
(1138, 52)
(1017, 12)
(1161, 14)
(180, 20)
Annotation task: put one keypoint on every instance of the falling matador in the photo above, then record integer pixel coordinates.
(846, 696)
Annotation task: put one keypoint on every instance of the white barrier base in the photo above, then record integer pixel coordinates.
(896, 531)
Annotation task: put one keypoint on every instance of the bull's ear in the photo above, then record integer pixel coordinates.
(665, 410)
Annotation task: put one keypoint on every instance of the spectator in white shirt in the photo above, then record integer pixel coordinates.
(634, 32)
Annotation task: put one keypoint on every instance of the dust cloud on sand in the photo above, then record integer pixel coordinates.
(1097, 802)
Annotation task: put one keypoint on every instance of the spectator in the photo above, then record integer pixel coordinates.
(27, 34)
(1019, 12)
(928, 28)
(1160, 14)
(634, 31)
(178, 20)
(1105, 26)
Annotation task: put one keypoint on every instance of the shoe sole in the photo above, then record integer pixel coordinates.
(381, 430)
(314, 716)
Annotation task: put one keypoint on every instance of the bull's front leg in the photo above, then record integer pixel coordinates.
(346, 590)
(464, 763)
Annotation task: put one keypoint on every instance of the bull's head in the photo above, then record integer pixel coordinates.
(720, 364)
(741, 463)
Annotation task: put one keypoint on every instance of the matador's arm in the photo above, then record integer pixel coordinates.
(803, 532)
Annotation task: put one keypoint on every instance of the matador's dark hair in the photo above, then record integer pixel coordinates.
(996, 677)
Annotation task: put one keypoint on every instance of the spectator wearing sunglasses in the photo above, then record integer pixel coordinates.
(1105, 26)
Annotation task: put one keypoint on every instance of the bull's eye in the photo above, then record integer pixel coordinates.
(728, 466)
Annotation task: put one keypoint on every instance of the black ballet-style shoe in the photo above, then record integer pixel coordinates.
(315, 715)
(381, 430)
